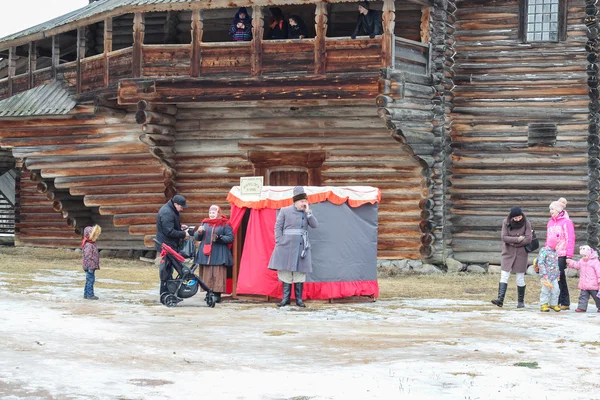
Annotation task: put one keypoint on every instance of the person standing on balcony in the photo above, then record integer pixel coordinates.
(278, 26)
(297, 28)
(368, 23)
(241, 29)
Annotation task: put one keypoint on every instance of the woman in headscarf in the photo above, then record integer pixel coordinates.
(214, 254)
(516, 234)
(241, 28)
(296, 28)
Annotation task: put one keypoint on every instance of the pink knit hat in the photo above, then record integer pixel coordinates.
(588, 251)
(557, 205)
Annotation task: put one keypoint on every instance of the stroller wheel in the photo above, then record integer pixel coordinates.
(162, 297)
(210, 299)
(171, 301)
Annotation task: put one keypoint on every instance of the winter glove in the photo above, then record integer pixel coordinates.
(372, 35)
(353, 36)
(547, 283)
(217, 238)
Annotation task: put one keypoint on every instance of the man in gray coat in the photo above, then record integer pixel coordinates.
(291, 256)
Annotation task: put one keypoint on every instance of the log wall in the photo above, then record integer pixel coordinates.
(218, 144)
(80, 166)
(503, 86)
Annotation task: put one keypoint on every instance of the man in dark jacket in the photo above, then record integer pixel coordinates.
(368, 23)
(169, 231)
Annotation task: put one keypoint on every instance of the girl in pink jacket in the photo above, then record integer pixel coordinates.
(589, 277)
(560, 236)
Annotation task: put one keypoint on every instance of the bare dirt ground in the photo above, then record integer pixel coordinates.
(432, 337)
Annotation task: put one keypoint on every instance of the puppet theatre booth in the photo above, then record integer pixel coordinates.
(343, 246)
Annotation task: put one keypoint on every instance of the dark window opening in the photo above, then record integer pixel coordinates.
(305, 13)
(542, 134)
(94, 39)
(122, 32)
(68, 46)
(408, 21)
(161, 28)
(343, 17)
(216, 24)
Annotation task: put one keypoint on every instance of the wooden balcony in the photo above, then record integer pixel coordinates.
(278, 58)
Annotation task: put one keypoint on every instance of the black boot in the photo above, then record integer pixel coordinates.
(501, 293)
(217, 297)
(521, 292)
(298, 292)
(287, 292)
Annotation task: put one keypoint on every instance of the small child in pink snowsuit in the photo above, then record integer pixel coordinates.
(589, 277)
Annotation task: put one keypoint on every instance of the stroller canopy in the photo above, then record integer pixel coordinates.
(344, 247)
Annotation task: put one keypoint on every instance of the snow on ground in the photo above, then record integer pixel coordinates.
(55, 345)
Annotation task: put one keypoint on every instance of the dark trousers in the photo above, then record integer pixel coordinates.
(584, 299)
(90, 278)
(563, 298)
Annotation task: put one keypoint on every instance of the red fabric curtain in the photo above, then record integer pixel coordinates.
(237, 214)
(254, 276)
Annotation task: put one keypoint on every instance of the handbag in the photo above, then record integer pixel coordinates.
(188, 248)
(535, 243)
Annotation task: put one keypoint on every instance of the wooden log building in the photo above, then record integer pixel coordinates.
(458, 111)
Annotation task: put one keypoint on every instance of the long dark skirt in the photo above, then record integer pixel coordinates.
(214, 276)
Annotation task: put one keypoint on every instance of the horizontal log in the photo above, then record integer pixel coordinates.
(351, 85)
(159, 108)
(151, 117)
(157, 140)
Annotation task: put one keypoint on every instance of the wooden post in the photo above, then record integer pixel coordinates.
(197, 24)
(321, 32)
(256, 45)
(107, 47)
(32, 64)
(387, 46)
(12, 63)
(55, 54)
(80, 55)
(138, 42)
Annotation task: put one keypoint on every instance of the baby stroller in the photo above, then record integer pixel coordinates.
(186, 283)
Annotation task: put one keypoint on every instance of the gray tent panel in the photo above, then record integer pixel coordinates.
(344, 246)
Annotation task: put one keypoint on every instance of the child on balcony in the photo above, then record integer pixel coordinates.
(241, 29)
(589, 277)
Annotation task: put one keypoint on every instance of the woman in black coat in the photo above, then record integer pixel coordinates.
(296, 28)
(278, 28)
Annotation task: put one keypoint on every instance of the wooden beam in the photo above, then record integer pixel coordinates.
(55, 54)
(196, 57)
(321, 33)
(363, 85)
(107, 48)
(138, 42)
(32, 64)
(12, 63)
(80, 55)
(388, 21)
(256, 44)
